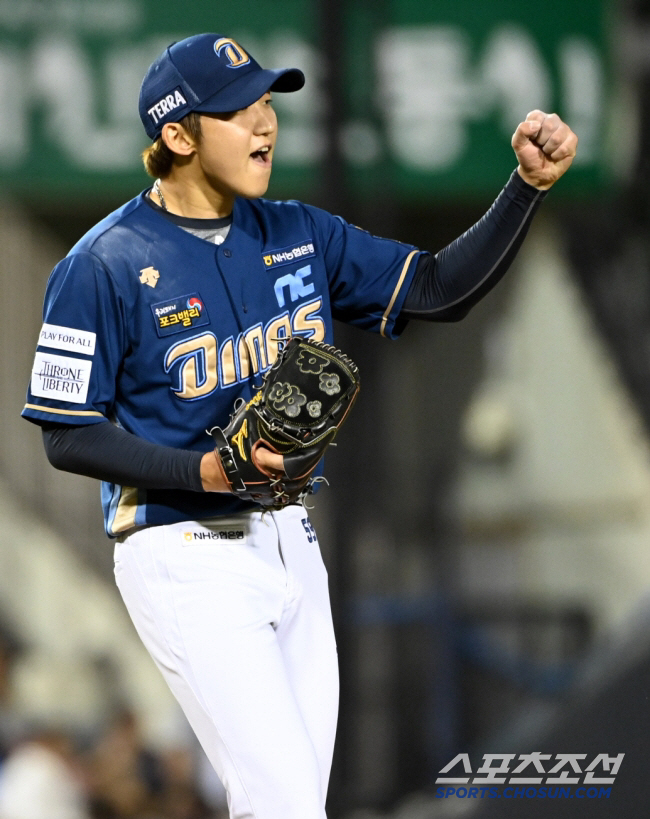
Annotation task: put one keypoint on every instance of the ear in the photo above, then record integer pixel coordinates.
(177, 139)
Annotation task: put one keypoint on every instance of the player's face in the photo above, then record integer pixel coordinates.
(236, 149)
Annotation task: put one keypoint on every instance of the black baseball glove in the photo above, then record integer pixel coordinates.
(305, 398)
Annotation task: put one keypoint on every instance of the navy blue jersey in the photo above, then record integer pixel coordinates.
(158, 331)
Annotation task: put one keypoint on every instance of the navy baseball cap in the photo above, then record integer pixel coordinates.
(207, 73)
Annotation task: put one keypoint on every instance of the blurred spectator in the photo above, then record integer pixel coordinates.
(40, 779)
(209, 784)
(184, 798)
(130, 781)
(182, 801)
(126, 778)
(12, 727)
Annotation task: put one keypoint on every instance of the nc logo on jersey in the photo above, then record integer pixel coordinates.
(176, 315)
(294, 284)
(286, 255)
(234, 52)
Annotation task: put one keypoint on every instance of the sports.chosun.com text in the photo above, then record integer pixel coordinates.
(523, 793)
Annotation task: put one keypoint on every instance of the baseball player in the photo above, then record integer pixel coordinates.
(157, 321)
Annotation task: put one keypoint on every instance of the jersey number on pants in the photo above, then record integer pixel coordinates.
(198, 364)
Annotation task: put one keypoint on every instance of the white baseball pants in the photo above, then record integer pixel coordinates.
(235, 612)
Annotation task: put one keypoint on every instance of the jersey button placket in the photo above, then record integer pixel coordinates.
(227, 253)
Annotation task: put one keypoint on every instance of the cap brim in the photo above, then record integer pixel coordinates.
(247, 89)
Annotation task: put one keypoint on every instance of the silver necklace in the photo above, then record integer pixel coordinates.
(159, 194)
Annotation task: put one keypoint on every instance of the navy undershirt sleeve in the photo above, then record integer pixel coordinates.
(447, 285)
(111, 454)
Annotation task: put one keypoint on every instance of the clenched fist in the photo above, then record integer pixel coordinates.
(545, 147)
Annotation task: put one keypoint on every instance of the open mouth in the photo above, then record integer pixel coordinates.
(262, 156)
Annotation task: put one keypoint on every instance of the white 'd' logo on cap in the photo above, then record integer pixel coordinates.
(235, 53)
